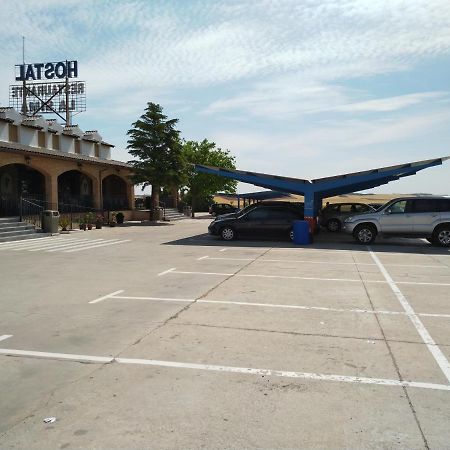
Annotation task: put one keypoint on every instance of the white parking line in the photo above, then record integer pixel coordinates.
(225, 369)
(48, 355)
(157, 299)
(100, 299)
(287, 277)
(102, 244)
(442, 266)
(265, 305)
(5, 336)
(166, 271)
(423, 332)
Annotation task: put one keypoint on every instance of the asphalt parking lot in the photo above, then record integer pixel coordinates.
(164, 337)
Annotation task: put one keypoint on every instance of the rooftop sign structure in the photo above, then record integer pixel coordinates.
(52, 94)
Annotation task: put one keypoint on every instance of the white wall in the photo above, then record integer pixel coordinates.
(87, 148)
(67, 143)
(4, 132)
(105, 152)
(28, 136)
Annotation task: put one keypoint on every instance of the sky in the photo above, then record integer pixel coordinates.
(299, 88)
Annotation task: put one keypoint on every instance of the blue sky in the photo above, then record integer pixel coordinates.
(302, 88)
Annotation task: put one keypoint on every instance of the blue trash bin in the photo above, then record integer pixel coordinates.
(301, 232)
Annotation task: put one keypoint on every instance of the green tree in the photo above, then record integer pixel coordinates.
(155, 141)
(202, 185)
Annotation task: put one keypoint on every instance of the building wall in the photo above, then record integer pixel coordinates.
(67, 143)
(87, 148)
(4, 130)
(105, 152)
(28, 136)
(51, 168)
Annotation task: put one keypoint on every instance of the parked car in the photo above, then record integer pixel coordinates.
(264, 220)
(376, 205)
(333, 215)
(216, 209)
(427, 218)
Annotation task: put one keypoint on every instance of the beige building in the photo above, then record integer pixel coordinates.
(58, 167)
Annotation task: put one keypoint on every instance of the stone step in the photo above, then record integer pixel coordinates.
(173, 214)
(9, 219)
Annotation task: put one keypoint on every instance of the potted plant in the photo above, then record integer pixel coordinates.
(113, 220)
(99, 222)
(82, 223)
(64, 222)
(120, 217)
(89, 220)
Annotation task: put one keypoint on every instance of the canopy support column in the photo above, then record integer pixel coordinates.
(311, 210)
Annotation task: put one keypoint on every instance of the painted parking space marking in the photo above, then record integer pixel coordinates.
(29, 243)
(57, 356)
(61, 244)
(166, 272)
(115, 296)
(100, 299)
(5, 336)
(25, 241)
(101, 244)
(439, 357)
(288, 277)
(303, 261)
(223, 369)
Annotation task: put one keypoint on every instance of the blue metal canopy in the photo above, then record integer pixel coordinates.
(260, 195)
(315, 190)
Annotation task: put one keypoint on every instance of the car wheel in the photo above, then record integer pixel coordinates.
(441, 235)
(227, 234)
(365, 234)
(333, 225)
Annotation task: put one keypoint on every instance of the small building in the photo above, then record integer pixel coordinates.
(60, 167)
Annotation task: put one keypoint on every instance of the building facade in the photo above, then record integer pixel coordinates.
(59, 167)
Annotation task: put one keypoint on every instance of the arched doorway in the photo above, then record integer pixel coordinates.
(19, 180)
(114, 193)
(74, 189)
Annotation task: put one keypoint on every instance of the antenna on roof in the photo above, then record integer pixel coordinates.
(24, 87)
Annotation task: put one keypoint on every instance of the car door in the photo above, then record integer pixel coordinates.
(397, 218)
(279, 222)
(253, 223)
(425, 214)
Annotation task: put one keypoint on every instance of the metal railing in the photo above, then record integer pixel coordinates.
(30, 212)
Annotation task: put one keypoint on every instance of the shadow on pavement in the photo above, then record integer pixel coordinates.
(322, 241)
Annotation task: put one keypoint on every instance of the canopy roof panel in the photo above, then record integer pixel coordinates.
(328, 186)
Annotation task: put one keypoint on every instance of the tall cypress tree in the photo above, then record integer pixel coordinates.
(155, 141)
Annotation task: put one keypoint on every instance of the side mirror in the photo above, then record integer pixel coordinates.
(388, 211)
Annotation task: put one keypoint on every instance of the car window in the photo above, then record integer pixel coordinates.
(281, 213)
(424, 205)
(346, 208)
(257, 214)
(400, 207)
(443, 205)
(359, 208)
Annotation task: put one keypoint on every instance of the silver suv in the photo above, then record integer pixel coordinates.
(423, 217)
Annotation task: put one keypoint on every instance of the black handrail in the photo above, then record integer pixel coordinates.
(30, 212)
